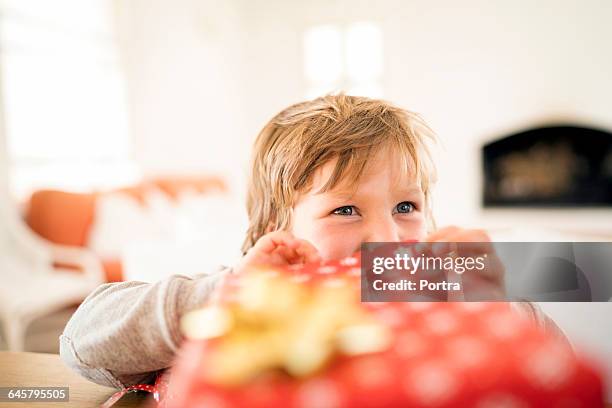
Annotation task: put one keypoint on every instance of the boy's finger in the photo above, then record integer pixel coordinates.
(477, 240)
(307, 251)
(287, 255)
(454, 234)
(493, 270)
(471, 235)
(423, 248)
(441, 234)
(269, 242)
(470, 242)
(297, 255)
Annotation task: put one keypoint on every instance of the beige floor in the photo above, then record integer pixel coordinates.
(42, 335)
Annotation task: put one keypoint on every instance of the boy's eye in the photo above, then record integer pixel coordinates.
(404, 207)
(346, 210)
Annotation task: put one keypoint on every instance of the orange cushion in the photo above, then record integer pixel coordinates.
(61, 217)
(173, 186)
(113, 270)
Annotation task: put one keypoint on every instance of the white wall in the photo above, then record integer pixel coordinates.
(481, 69)
(184, 67)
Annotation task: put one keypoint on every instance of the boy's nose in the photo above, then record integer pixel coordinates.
(382, 230)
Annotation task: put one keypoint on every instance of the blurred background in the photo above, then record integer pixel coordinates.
(126, 127)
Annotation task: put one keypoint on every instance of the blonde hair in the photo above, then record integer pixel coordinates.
(305, 136)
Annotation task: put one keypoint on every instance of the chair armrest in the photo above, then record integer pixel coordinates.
(83, 258)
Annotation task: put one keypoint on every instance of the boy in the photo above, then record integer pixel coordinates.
(327, 175)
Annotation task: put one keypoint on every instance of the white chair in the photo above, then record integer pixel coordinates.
(30, 285)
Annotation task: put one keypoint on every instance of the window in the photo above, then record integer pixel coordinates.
(65, 116)
(344, 58)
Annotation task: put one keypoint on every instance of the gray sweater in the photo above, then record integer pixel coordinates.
(125, 333)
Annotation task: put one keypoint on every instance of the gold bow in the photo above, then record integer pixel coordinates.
(275, 322)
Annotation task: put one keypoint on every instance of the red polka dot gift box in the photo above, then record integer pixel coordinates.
(300, 337)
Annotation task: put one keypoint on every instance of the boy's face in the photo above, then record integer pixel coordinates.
(386, 205)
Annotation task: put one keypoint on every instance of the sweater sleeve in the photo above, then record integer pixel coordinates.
(124, 333)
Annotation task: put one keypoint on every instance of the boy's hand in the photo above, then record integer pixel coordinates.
(486, 284)
(278, 248)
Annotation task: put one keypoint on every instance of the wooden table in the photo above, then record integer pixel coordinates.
(47, 370)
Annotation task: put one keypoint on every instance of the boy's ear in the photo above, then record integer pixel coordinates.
(270, 228)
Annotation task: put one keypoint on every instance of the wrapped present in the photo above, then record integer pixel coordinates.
(300, 337)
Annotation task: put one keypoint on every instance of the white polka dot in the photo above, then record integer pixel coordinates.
(348, 261)
(432, 384)
(327, 269)
(318, 393)
(472, 307)
(503, 325)
(371, 372)
(410, 344)
(418, 306)
(390, 317)
(501, 400)
(549, 366)
(354, 271)
(441, 322)
(468, 352)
